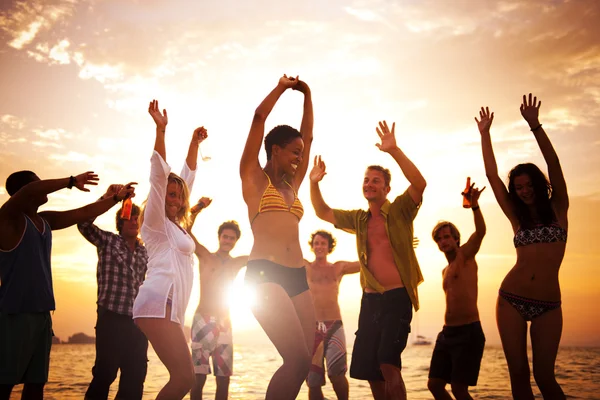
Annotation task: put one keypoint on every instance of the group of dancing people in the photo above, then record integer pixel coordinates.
(144, 285)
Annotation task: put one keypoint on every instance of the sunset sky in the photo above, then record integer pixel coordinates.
(77, 77)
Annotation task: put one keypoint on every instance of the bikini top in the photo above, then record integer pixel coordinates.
(272, 200)
(540, 233)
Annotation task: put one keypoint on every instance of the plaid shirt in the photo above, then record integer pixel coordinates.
(120, 272)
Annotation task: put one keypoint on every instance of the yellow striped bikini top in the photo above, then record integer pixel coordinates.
(272, 200)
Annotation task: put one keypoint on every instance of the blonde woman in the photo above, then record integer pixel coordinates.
(160, 305)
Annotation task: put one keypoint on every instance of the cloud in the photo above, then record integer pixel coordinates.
(12, 121)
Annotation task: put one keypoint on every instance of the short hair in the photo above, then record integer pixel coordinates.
(281, 135)
(233, 225)
(330, 239)
(543, 193)
(135, 210)
(17, 180)
(443, 224)
(387, 176)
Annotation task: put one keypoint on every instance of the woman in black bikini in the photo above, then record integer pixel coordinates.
(537, 211)
(276, 266)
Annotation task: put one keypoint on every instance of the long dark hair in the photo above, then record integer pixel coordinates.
(543, 193)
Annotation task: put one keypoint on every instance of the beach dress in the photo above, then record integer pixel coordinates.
(170, 251)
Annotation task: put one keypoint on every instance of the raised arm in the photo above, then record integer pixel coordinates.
(201, 252)
(530, 110)
(192, 156)
(249, 166)
(410, 171)
(491, 168)
(322, 210)
(65, 219)
(471, 247)
(306, 129)
(161, 122)
(91, 232)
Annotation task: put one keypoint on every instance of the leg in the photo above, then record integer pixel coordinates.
(378, 390)
(222, 388)
(134, 361)
(196, 393)
(108, 355)
(315, 393)
(545, 338)
(33, 391)
(394, 384)
(461, 391)
(277, 315)
(513, 334)
(340, 386)
(170, 345)
(437, 387)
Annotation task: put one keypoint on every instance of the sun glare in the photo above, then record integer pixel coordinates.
(241, 298)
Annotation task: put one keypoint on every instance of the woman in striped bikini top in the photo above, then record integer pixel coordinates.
(272, 200)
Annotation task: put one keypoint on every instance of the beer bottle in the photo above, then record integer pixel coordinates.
(467, 194)
(126, 208)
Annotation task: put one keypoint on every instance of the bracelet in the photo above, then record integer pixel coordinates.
(475, 208)
(536, 128)
(71, 182)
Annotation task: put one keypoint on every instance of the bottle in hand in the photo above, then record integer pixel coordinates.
(126, 208)
(467, 194)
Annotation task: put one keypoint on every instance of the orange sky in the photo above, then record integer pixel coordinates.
(77, 76)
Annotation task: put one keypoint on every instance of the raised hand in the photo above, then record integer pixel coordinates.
(200, 134)
(530, 110)
(288, 82)
(318, 171)
(87, 178)
(160, 120)
(112, 190)
(485, 120)
(301, 86)
(388, 138)
(126, 191)
(474, 194)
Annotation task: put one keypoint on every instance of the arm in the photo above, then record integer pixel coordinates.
(410, 171)
(530, 112)
(249, 165)
(474, 243)
(201, 252)
(491, 168)
(322, 210)
(306, 129)
(349, 267)
(161, 122)
(64, 219)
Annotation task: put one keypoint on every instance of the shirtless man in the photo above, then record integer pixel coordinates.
(389, 270)
(459, 347)
(330, 341)
(211, 328)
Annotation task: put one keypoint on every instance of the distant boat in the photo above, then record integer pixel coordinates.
(421, 341)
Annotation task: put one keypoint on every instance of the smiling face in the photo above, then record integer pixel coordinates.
(289, 156)
(320, 246)
(227, 240)
(173, 200)
(374, 186)
(524, 189)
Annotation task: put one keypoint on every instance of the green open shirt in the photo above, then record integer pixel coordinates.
(399, 217)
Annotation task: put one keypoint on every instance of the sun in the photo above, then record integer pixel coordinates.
(240, 299)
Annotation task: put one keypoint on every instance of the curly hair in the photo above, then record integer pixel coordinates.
(326, 235)
(281, 135)
(135, 210)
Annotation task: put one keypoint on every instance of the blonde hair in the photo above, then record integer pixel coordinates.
(445, 224)
(183, 216)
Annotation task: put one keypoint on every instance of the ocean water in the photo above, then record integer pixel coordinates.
(578, 371)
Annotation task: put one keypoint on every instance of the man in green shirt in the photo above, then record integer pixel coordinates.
(389, 271)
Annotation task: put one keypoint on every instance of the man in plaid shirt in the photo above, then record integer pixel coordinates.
(122, 263)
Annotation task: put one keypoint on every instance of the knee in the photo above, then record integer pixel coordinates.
(299, 366)
(544, 379)
(183, 381)
(460, 391)
(436, 386)
(338, 380)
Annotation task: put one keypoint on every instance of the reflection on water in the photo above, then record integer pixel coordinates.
(578, 371)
